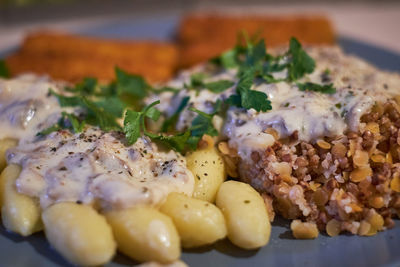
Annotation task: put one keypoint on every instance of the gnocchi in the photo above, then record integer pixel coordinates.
(197, 221)
(145, 234)
(19, 213)
(209, 172)
(5, 144)
(245, 213)
(79, 233)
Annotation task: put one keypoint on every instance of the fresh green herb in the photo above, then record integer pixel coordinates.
(219, 86)
(301, 63)
(255, 54)
(67, 101)
(97, 115)
(66, 121)
(286, 104)
(165, 89)
(86, 87)
(4, 72)
(196, 80)
(134, 125)
(112, 105)
(171, 121)
(325, 89)
(131, 84)
(338, 105)
(229, 59)
(248, 98)
(197, 83)
(202, 125)
(134, 121)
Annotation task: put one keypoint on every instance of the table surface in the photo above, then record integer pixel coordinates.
(371, 23)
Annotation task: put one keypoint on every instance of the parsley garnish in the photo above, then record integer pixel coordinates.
(4, 71)
(325, 89)
(219, 86)
(131, 84)
(86, 87)
(197, 83)
(248, 98)
(134, 121)
(66, 121)
(134, 125)
(171, 121)
(301, 63)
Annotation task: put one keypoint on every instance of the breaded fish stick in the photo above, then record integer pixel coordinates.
(75, 68)
(72, 57)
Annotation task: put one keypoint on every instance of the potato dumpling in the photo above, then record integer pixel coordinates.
(20, 213)
(145, 234)
(245, 214)
(198, 222)
(79, 233)
(5, 144)
(209, 172)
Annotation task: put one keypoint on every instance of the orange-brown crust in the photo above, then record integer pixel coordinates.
(72, 57)
(203, 36)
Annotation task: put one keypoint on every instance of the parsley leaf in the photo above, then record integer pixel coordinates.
(99, 116)
(325, 89)
(255, 99)
(177, 141)
(248, 98)
(165, 89)
(112, 105)
(4, 71)
(67, 101)
(86, 87)
(255, 53)
(132, 126)
(66, 121)
(134, 122)
(131, 84)
(219, 86)
(228, 59)
(169, 123)
(301, 63)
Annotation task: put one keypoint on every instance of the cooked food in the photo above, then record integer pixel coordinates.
(315, 131)
(205, 35)
(198, 222)
(71, 57)
(246, 217)
(208, 168)
(20, 213)
(145, 234)
(79, 233)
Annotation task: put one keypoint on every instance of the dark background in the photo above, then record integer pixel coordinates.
(15, 12)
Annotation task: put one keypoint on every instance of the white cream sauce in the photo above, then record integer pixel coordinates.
(312, 114)
(98, 168)
(92, 168)
(26, 108)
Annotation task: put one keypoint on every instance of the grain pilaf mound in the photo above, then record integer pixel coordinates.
(347, 183)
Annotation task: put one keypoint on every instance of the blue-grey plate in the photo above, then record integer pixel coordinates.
(345, 250)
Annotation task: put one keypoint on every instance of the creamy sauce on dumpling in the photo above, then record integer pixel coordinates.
(91, 167)
(26, 108)
(94, 166)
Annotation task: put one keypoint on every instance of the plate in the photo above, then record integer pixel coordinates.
(283, 250)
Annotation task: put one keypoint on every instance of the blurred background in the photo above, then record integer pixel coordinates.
(356, 25)
(373, 21)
